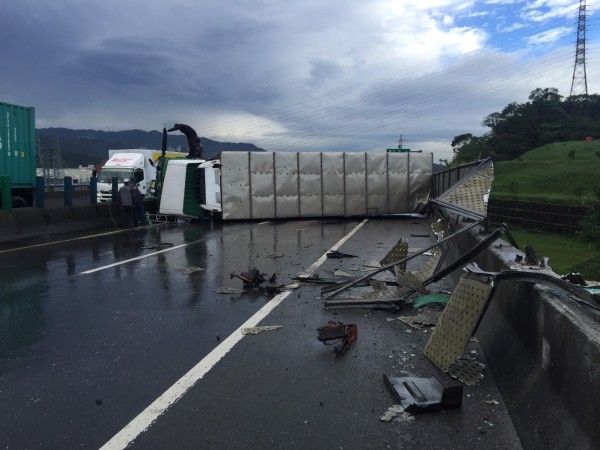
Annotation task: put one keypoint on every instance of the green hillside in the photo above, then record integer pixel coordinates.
(564, 173)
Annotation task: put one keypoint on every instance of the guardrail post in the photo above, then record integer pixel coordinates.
(115, 189)
(68, 191)
(93, 190)
(40, 195)
(6, 194)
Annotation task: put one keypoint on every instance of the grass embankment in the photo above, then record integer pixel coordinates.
(563, 173)
(567, 253)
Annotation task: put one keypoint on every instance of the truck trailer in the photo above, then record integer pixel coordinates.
(272, 185)
(17, 154)
(140, 164)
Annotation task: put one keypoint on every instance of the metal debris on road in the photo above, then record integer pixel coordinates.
(256, 330)
(253, 277)
(419, 395)
(336, 254)
(426, 318)
(338, 333)
(468, 371)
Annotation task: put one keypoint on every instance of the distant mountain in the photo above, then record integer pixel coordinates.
(83, 147)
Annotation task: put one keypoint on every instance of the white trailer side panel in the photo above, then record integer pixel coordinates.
(286, 184)
(257, 185)
(333, 184)
(309, 184)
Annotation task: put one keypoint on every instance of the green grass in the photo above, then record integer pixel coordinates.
(567, 253)
(562, 173)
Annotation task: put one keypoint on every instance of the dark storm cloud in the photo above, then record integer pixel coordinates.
(307, 75)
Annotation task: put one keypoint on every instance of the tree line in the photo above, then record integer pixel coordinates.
(546, 118)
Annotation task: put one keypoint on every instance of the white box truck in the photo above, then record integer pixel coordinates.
(130, 163)
(269, 185)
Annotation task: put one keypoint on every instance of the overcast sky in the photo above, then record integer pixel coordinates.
(308, 75)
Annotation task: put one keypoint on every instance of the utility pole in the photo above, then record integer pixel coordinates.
(579, 82)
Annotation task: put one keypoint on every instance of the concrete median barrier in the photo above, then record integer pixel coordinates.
(25, 223)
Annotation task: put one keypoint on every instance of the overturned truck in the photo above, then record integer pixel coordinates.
(272, 185)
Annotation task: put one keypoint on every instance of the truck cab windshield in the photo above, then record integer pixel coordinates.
(106, 176)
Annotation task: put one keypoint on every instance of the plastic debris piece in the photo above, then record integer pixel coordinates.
(256, 330)
(491, 402)
(430, 298)
(419, 395)
(392, 412)
(190, 270)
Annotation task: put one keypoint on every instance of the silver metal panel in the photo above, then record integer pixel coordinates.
(262, 185)
(356, 192)
(287, 198)
(421, 174)
(377, 184)
(398, 182)
(235, 185)
(309, 169)
(333, 184)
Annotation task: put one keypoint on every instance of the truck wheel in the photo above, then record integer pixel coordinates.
(19, 202)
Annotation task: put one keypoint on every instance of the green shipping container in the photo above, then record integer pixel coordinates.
(17, 145)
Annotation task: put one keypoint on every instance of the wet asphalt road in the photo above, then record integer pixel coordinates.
(93, 330)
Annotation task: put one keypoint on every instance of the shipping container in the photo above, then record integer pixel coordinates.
(18, 152)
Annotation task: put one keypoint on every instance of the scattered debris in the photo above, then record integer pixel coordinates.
(256, 330)
(426, 318)
(336, 254)
(491, 402)
(372, 264)
(190, 270)
(275, 255)
(341, 273)
(392, 412)
(430, 298)
(226, 290)
(253, 277)
(292, 286)
(459, 320)
(419, 395)
(575, 278)
(468, 371)
(420, 235)
(344, 334)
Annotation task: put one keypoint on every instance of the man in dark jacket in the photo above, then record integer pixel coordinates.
(196, 149)
(126, 201)
(138, 205)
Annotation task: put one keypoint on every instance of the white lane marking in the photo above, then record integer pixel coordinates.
(132, 259)
(144, 420)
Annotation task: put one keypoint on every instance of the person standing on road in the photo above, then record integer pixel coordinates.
(138, 205)
(126, 200)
